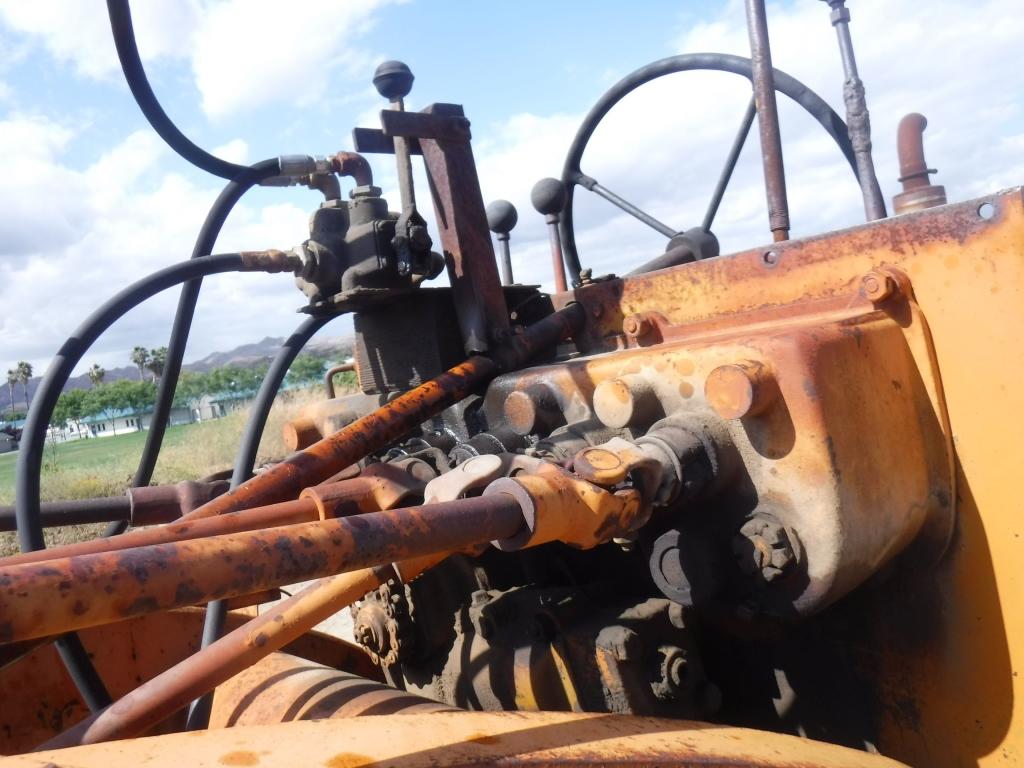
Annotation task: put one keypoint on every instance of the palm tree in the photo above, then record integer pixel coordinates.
(12, 379)
(96, 374)
(140, 356)
(24, 376)
(157, 361)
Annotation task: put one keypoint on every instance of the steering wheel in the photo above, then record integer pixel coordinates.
(572, 175)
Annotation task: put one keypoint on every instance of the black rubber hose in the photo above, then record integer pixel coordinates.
(33, 437)
(817, 107)
(131, 64)
(182, 324)
(245, 460)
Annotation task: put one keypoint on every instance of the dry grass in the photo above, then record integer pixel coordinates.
(104, 466)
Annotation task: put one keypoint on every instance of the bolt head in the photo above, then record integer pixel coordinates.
(877, 286)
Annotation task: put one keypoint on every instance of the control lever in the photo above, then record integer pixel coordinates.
(501, 219)
(393, 80)
(548, 198)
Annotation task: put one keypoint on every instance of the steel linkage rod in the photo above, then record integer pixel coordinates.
(159, 698)
(72, 593)
(858, 121)
(378, 429)
(763, 79)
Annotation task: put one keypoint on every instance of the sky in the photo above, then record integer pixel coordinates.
(91, 200)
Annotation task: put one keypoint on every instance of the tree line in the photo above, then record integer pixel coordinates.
(107, 400)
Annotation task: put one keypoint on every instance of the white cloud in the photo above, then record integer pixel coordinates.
(77, 32)
(75, 237)
(234, 151)
(296, 58)
(244, 54)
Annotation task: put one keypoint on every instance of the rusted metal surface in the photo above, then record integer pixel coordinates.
(63, 594)
(443, 134)
(917, 192)
(763, 79)
(285, 513)
(385, 425)
(474, 738)
(380, 486)
(334, 371)
(281, 688)
(803, 444)
(166, 693)
(125, 654)
(940, 646)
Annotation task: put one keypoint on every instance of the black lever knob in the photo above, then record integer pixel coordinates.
(549, 197)
(393, 80)
(501, 218)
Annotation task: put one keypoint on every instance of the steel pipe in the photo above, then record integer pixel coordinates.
(270, 516)
(763, 78)
(394, 420)
(71, 593)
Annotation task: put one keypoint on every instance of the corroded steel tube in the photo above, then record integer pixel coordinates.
(273, 515)
(53, 596)
(763, 78)
(387, 424)
(165, 694)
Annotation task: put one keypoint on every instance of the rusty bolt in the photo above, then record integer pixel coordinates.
(877, 286)
(763, 547)
(636, 326)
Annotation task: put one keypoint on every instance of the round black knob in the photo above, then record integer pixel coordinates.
(393, 80)
(548, 196)
(501, 217)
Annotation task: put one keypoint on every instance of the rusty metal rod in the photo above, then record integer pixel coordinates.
(394, 420)
(270, 516)
(763, 79)
(331, 373)
(858, 121)
(38, 599)
(159, 698)
(73, 512)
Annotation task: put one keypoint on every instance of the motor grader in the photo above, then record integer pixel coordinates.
(744, 509)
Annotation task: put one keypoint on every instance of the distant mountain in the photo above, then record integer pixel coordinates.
(246, 355)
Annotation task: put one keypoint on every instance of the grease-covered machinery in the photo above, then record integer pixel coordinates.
(773, 491)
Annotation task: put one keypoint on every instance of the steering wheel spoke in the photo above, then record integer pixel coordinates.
(591, 184)
(730, 164)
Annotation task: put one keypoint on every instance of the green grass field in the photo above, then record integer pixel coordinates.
(104, 466)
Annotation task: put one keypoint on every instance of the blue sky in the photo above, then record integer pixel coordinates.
(90, 199)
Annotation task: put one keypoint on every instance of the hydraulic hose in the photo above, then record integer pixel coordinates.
(131, 64)
(213, 625)
(30, 455)
(182, 324)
